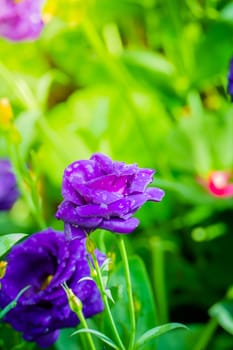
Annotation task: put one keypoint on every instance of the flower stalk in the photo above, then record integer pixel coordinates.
(207, 334)
(76, 306)
(125, 262)
(106, 303)
(159, 280)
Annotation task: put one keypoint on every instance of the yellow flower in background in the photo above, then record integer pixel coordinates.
(6, 114)
(71, 11)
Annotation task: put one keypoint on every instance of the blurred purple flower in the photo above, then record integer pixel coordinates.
(101, 193)
(230, 80)
(20, 19)
(8, 188)
(43, 262)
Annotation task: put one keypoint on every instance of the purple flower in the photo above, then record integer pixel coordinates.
(8, 188)
(20, 19)
(43, 262)
(101, 193)
(230, 80)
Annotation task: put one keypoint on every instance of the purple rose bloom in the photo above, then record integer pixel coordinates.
(230, 80)
(101, 193)
(20, 19)
(8, 188)
(44, 261)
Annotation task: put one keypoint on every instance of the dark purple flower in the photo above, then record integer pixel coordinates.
(8, 188)
(43, 262)
(230, 80)
(101, 193)
(20, 19)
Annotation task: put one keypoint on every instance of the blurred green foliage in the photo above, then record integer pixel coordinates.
(142, 81)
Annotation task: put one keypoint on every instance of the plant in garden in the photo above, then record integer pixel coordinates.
(101, 193)
(8, 187)
(43, 262)
(123, 78)
(46, 283)
(21, 19)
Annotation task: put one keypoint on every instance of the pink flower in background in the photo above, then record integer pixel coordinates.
(219, 184)
(20, 19)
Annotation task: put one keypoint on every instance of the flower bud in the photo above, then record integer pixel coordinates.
(3, 266)
(74, 302)
(6, 114)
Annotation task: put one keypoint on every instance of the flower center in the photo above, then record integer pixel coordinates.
(219, 180)
(46, 282)
(3, 266)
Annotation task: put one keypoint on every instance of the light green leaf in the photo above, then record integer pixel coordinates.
(223, 311)
(143, 299)
(100, 335)
(156, 332)
(7, 241)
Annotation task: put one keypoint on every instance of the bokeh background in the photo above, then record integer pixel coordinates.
(142, 81)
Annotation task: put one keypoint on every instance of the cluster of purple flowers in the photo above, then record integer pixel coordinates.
(43, 262)
(20, 19)
(98, 193)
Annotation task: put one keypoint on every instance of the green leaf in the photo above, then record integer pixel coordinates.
(7, 241)
(98, 334)
(223, 311)
(156, 332)
(13, 303)
(143, 300)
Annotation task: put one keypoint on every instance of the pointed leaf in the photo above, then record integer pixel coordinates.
(100, 335)
(156, 332)
(223, 312)
(143, 299)
(7, 241)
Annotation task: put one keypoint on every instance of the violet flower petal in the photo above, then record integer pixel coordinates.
(155, 194)
(21, 20)
(103, 193)
(8, 188)
(120, 226)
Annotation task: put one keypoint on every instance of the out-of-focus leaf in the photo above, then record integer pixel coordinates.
(150, 61)
(156, 332)
(223, 312)
(7, 241)
(143, 300)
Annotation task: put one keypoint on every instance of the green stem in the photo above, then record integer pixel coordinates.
(125, 262)
(106, 303)
(84, 325)
(206, 334)
(159, 280)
